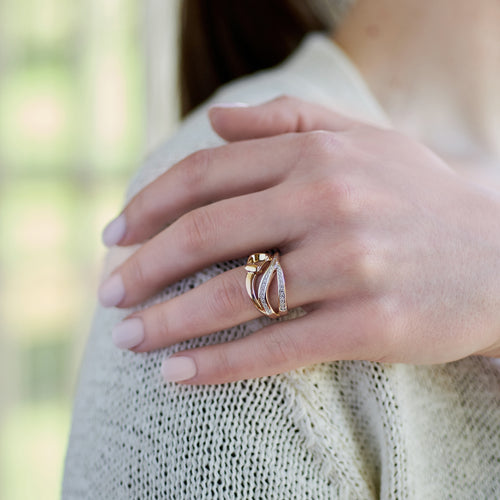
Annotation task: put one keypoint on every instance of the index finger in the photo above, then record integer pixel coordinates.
(201, 178)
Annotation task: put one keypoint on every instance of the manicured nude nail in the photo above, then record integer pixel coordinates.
(112, 291)
(114, 231)
(178, 368)
(229, 105)
(128, 333)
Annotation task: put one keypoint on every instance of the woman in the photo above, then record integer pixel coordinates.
(376, 186)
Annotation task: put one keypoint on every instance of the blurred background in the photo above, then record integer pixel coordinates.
(87, 88)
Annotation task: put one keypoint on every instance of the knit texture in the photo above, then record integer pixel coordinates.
(346, 430)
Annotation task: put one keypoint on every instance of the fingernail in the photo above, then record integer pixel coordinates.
(178, 368)
(112, 291)
(114, 231)
(229, 105)
(128, 333)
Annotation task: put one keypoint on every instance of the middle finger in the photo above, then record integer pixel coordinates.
(228, 229)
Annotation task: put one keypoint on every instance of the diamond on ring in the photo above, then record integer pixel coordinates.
(266, 266)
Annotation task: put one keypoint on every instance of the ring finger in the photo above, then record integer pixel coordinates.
(219, 303)
(224, 230)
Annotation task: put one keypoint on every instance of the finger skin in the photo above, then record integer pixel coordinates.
(229, 170)
(214, 305)
(203, 177)
(229, 229)
(219, 303)
(282, 115)
(269, 351)
(317, 337)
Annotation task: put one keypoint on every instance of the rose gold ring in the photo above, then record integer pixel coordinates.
(266, 266)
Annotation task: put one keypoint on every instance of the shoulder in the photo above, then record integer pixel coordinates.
(318, 71)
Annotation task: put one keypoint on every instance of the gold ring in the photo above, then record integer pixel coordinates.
(268, 266)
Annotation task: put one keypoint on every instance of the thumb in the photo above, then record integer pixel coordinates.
(280, 116)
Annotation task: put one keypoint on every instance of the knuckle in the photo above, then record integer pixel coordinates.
(369, 272)
(366, 263)
(287, 114)
(136, 273)
(339, 196)
(228, 300)
(143, 207)
(159, 330)
(280, 347)
(319, 144)
(363, 265)
(197, 231)
(193, 172)
(223, 366)
(332, 197)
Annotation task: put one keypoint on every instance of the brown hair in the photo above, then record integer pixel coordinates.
(224, 39)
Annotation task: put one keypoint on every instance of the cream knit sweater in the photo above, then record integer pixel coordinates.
(347, 430)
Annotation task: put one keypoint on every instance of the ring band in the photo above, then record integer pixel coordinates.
(266, 265)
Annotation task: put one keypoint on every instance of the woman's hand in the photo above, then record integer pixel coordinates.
(393, 255)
